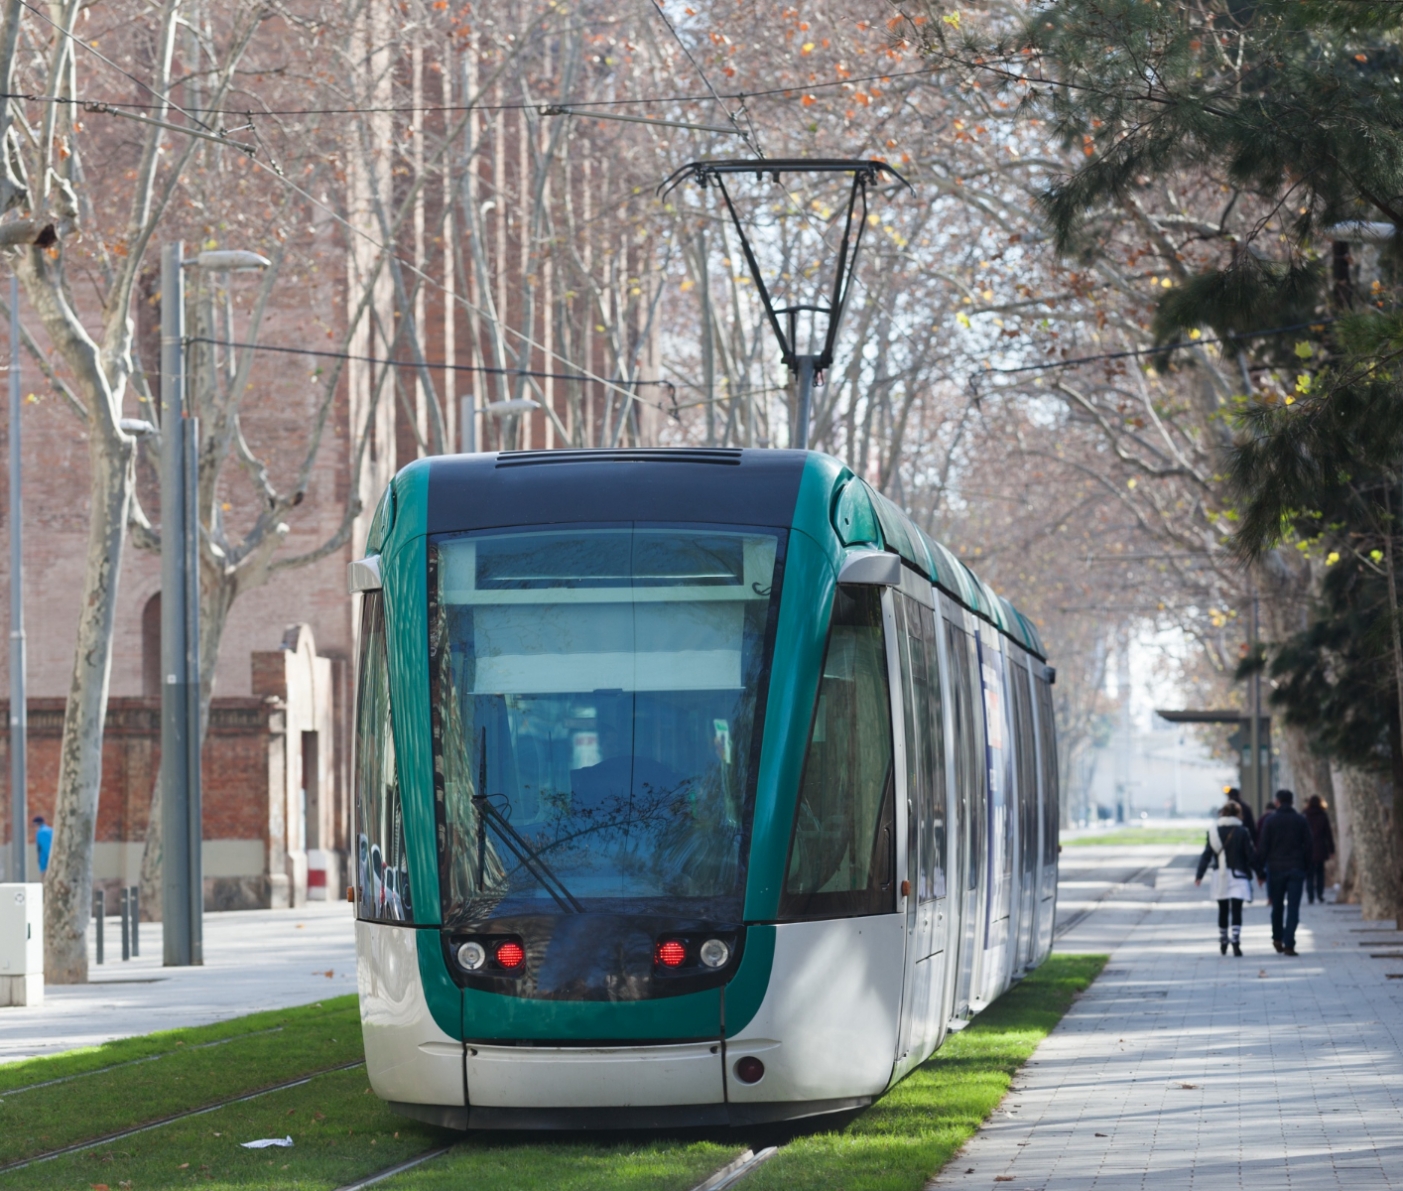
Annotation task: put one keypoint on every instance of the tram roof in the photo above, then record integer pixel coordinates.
(485, 491)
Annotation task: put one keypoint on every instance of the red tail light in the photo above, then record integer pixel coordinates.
(671, 954)
(510, 954)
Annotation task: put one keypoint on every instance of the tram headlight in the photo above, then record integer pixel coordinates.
(714, 953)
(472, 955)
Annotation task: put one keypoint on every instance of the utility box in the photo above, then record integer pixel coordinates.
(22, 944)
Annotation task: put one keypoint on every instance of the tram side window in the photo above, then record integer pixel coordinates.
(1047, 738)
(968, 760)
(925, 746)
(1027, 770)
(842, 853)
(382, 876)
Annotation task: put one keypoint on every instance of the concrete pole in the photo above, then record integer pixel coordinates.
(19, 710)
(182, 882)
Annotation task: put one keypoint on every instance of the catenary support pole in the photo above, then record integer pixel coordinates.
(181, 882)
(804, 410)
(19, 711)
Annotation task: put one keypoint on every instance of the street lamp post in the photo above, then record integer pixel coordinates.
(182, 877)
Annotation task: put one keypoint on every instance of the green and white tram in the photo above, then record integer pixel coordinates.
(694, 787)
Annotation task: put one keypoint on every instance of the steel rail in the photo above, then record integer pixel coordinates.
(736, 1170)
(1061, 928)
(165, 1054)
(398, 1168)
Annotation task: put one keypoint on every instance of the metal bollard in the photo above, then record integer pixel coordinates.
(136, 918)
(124, 897)
(99, 910)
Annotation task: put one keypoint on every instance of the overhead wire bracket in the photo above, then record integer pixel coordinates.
(805, 366)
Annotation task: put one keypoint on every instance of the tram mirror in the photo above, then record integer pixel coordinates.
(364, 575)
(874, 568)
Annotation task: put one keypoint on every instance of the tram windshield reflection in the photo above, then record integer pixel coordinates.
(596, 701)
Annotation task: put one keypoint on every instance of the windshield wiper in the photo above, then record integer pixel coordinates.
(524, 853)
(527, 856)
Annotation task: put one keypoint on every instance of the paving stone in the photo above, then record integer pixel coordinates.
(1296, 1065)
(254, 960)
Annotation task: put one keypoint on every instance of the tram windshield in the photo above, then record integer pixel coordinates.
(597, 704)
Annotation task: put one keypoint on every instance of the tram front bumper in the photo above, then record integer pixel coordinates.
(590, 1077)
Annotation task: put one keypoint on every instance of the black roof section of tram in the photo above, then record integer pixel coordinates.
(717, 486)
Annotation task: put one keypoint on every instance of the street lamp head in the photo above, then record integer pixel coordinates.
(520, 405)
(137, 427)
(227, 260)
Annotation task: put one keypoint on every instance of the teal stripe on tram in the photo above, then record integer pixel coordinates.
(810, 579)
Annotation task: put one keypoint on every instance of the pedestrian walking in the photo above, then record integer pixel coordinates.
(1286, 857)
(1322, 847)
(1259, 835)
(1230, 852)
(43, 842)
(1249, 821)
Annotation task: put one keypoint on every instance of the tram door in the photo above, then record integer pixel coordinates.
(1048, 811)
(1025, 772)
(926, 905)
(969, 770)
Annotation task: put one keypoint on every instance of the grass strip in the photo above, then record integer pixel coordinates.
(340, 1130)
(1139, 835)
(88, 1059)
(93, 1098)
(341, 1133)
(908, 1135)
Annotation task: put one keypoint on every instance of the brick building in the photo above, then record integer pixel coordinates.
(487, 298)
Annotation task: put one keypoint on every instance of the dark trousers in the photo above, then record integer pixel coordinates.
(1284, 890)
(1226, 906)
(1315, 882)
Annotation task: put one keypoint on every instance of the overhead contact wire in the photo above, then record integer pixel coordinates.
(628, 395)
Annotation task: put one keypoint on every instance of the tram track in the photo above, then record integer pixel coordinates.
(165, 1054)
(1135, 877)
(719, 1180)
(108, 1138)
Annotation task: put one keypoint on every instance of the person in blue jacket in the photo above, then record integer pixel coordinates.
(43, 842)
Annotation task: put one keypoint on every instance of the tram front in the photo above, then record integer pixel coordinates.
(564, 674)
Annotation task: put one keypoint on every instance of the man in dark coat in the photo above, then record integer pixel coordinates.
(1286, 856)
(1322, 847)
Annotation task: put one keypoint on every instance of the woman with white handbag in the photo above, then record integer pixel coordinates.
(1230, 852)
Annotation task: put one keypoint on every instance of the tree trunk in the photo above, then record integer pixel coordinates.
(1372, 850)
(1344, 839)
(69, 881)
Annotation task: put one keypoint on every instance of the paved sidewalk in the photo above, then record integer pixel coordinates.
(255, 959)
(1180, 1068)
